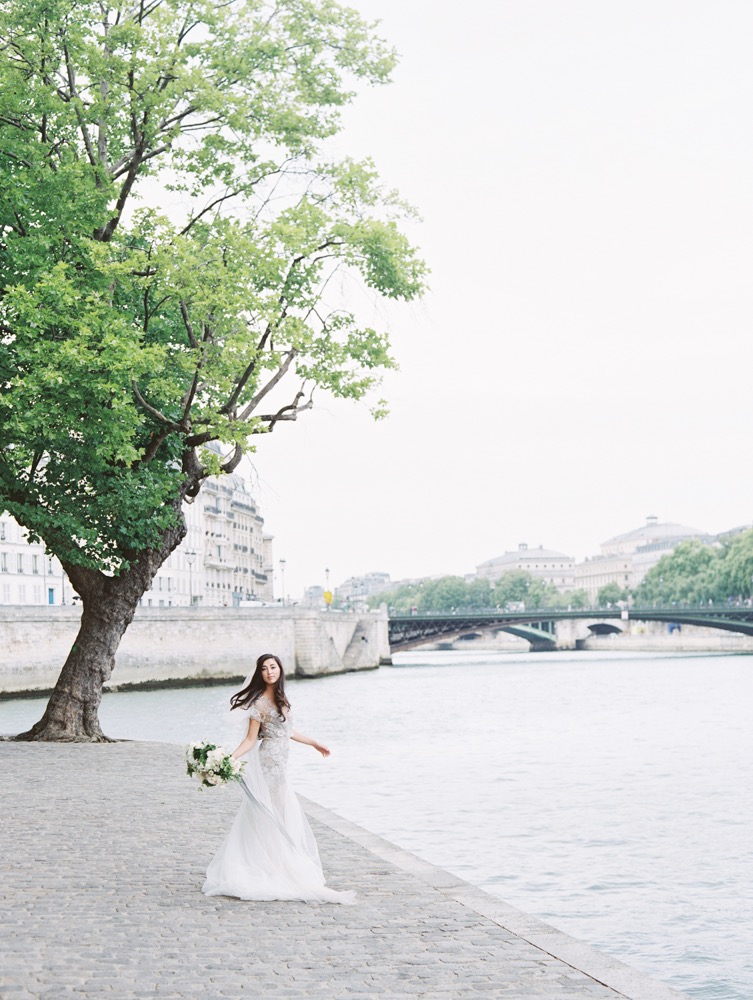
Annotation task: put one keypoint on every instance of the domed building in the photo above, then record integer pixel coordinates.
(626, 558)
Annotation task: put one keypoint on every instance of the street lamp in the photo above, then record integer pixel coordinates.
(190, 556)
(283, 564)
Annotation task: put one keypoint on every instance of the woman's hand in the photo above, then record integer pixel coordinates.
(324, 751)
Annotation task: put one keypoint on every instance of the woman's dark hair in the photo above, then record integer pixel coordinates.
(257, 686)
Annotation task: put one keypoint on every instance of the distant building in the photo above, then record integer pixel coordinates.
(358, 589)
(28, 574)
(225, 558)
(727, 536)
(313, 597)
(627, 558)
(598, 571)
(553, 567)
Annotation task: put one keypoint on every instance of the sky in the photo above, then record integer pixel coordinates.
(581, 361)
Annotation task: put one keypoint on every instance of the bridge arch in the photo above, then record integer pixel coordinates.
(538, 626)
(604, 628)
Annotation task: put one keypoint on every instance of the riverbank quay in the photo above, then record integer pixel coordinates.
(103, 854)
(172, 646)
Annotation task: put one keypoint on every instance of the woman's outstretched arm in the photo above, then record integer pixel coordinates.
(250, 739)
(300, 738)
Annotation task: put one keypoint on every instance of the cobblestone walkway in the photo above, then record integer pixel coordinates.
(103, 853)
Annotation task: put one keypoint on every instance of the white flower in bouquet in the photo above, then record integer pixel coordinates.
(215, 758)
(211, 764)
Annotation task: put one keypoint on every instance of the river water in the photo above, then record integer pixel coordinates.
(608, 794)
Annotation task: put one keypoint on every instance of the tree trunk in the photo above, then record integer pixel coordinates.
(110, 602)
(72, 713)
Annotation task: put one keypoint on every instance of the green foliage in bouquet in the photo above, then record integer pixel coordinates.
(212, 764)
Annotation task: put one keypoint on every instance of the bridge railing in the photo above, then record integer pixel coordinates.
(595, 609)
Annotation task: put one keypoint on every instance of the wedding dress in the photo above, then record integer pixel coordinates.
(270, 851)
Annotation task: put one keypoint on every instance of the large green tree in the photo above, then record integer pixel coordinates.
(169, 228)
(735, 570)
(689, 574)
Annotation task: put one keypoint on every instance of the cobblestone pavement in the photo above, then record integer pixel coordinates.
(103, 853)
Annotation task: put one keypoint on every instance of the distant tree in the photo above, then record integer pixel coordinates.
(480, 594)
(399, 599)
(689, 574)
(132, 338)
(735, 568)
(518, 585)
(611, 593)
(513, 586)
(448, 593)
(577, 599)
(444, 594)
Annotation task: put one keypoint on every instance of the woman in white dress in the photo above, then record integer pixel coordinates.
(270, 851)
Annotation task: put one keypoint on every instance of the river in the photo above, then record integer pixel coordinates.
(608, 794)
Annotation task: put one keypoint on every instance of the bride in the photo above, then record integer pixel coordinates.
(270, 851)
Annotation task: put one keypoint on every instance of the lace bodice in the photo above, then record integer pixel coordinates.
(274, 736)
(272, 725)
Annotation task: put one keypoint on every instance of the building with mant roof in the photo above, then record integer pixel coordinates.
(548, 565)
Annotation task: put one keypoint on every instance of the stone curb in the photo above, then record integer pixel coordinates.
(607, 971)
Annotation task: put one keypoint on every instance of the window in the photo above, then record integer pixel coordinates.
(3, 562)
(35, 564)
(2, 530)
(20, 564)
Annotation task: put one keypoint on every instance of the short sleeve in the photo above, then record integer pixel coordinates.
(252, 712)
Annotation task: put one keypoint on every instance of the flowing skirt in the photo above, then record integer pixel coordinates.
(270, 851)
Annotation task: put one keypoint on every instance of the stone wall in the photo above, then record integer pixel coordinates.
(649, 637)
(181, 644)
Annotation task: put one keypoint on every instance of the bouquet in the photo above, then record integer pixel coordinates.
(211, 764)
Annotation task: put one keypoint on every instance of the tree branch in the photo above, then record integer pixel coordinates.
(242, 381)
(209, 207)
(21, 227)
(188, 325)
(196, 440)
(153, 410)
(232, 463)
(38, 456)
(280, 373)
(104, 234)
(152, 448)
(248, 372)
(79, 117)
(124, 163)
(289, 412)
